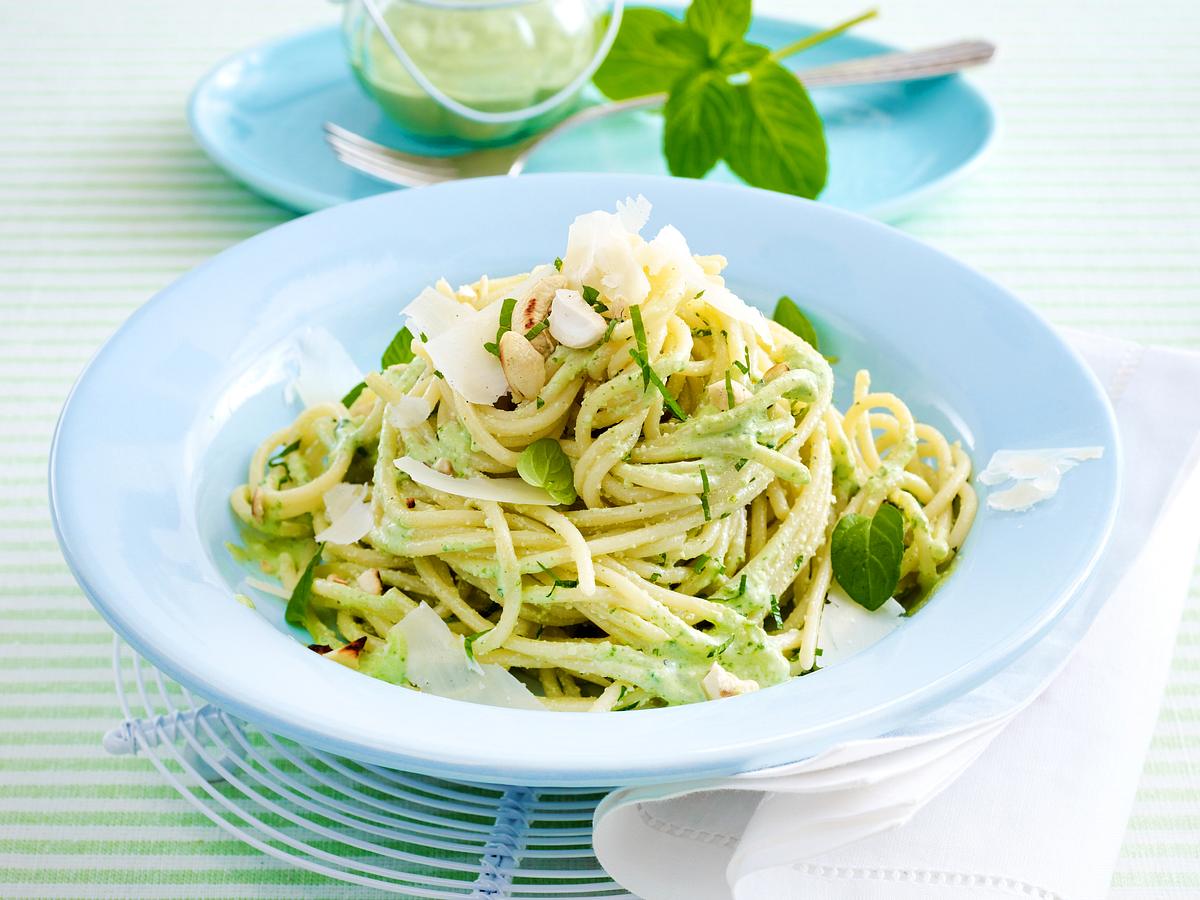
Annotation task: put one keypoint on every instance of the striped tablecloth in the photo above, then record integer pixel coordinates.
(1089, 208)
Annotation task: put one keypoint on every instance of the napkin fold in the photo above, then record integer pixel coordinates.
(996, 804)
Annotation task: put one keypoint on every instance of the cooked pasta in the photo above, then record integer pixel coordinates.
(683, 550)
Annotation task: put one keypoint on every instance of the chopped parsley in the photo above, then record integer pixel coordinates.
(558, 263)
(704, 495)
(740, 464)
(540, 402)
(536, 330)
(728, 390)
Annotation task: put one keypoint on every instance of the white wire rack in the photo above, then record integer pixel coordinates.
(407, 834)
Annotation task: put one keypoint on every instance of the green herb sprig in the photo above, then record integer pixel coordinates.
(727, 98)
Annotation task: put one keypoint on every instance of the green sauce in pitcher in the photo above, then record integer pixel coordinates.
(490, 55)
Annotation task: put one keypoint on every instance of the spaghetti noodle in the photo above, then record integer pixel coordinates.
(710, 468)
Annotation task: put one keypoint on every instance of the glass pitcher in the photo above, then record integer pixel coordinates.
(484, 71)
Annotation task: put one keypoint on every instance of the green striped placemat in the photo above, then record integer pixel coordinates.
(1089, 208)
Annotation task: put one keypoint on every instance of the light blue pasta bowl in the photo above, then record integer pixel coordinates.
(159, 428)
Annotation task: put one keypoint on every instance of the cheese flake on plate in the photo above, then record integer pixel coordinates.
(350, 514)
(324, 370)
(1036, 474)
(436, 661)
(499, 490)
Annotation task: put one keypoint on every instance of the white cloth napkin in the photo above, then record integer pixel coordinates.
(1042, 811)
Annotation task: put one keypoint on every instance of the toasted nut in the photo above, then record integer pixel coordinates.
(523, 366)
(718, 396)
(535, 307)
(443, 466)
(257, 504)
(347, 655)
(775, 371)
(369, 581)
(720, 683)
(544, 343)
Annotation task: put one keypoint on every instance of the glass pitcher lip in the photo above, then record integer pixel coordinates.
(470, 4)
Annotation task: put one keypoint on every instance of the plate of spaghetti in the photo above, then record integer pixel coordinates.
(415, 478)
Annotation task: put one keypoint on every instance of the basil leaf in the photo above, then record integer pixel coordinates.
(866, 554)
(297, 605)
(399, 350)
(544, 464)
(639, 62)
(776, 140)
(721, 22)
(352, 394)
(791, 317)
(697, 116)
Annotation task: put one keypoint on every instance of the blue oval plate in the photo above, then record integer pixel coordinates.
(161, 424)
(259, 116)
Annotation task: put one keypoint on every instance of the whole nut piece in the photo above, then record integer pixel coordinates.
(775, 371)
(535, 308)
(718, 395)
(523, 366)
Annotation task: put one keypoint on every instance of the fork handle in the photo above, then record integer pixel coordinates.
(900, 66)
(904, 65)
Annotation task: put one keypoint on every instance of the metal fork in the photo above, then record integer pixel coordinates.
(415, 170)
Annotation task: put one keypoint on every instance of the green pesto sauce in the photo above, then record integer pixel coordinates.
(451, 442)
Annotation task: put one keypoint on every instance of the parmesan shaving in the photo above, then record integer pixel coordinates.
(432, 313)
(500, 490)
(436, 661)
(604, 251)
(1037, 474)
(408, 412)
(459, 354)
(349, 512)
(324, 370)
(847, 628)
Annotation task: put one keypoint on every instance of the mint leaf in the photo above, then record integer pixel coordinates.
(697, 116)
(740, 57)
(278, 458)
(776, 141)
(866, 554)
(721, 22)
(352, 394)
(640, 63)
(544, 464)
(469, 650)
(297, 605)
(791, 317)
(399, 350)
